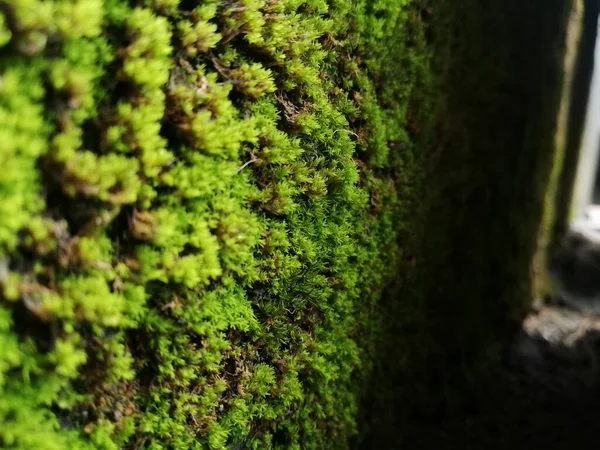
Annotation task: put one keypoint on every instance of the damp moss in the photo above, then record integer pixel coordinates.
(263, 223)
(199, 207)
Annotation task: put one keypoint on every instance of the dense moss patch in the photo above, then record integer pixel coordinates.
(200, 202)
(263, 223)
(466, 286)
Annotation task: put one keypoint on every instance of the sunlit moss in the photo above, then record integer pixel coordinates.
(198, 210)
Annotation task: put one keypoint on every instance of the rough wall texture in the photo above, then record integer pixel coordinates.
(203, 205)
(498, 67)
(199, 206)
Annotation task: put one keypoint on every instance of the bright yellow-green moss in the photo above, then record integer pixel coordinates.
(199, 207)
(204, 203)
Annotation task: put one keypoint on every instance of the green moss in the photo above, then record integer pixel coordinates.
(200, 207)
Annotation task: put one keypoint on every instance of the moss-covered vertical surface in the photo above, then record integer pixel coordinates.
(498, 68)
(199, 205)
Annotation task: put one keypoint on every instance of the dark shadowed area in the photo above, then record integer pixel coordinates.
(482, 381)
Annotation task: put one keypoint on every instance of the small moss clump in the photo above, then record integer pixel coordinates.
(199, 207)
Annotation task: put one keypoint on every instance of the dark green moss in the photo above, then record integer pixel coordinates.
(498, 70)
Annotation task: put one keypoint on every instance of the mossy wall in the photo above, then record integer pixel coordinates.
(203, 205)
(199, 207)
(461, 296)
